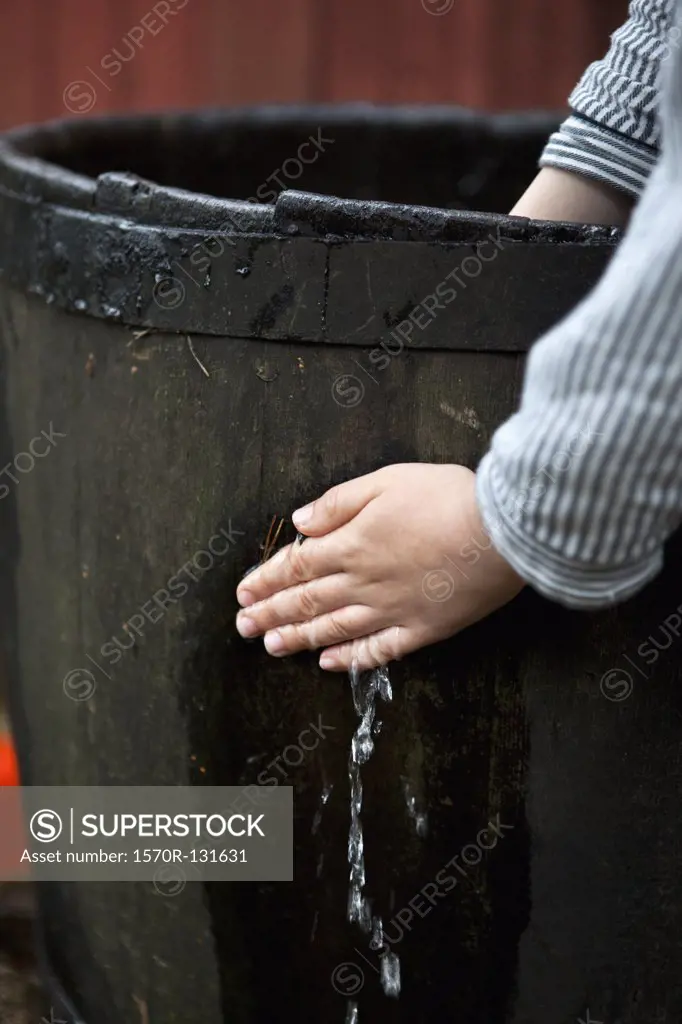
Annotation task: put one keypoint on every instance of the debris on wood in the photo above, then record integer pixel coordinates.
(466, 416)
(265, 372)
(142, 1009)
(196, 357)
(270, 544)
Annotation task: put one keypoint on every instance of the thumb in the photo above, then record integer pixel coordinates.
(337, 506)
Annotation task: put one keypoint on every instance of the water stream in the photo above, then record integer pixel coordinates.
(365, 687)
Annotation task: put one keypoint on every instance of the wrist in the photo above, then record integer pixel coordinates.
(495, 564)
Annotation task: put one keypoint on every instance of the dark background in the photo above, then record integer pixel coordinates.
(488, 54)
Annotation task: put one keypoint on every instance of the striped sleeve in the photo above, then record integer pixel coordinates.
(612, 134)
(583, 485)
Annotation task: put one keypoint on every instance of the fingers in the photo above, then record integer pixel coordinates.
(325, 553)
(372, 651)
(332, 628)
(299, 603)
(294, 564)
(337, 506)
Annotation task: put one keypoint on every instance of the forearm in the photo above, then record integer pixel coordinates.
(582, 487)
(596, 165)
(560, 195)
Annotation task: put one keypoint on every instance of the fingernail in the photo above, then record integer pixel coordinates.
(274, 644)
(328, 661)
(245, 598)
(246, 627)
(303, 515)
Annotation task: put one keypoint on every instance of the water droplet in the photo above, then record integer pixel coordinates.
(377, 940)
(418, 817)
(255, 757)
(390, 975)
(324, 796)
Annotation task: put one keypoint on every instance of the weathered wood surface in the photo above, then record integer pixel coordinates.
(575, 907)
(293, 265)
(574, 910)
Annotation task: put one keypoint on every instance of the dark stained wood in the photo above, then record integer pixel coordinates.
(490, 54)
(507, 719)
(574, 911)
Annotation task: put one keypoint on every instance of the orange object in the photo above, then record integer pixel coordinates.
(9, 769)
(12, 825)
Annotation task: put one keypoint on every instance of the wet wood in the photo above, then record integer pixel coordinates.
(542, 746)
(507, 720)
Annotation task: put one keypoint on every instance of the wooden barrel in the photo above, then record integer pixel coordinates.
(197, 364)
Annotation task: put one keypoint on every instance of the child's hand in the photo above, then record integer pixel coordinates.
(396, 560)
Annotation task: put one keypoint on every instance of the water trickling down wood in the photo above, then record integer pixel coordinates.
(365, 686)
(418, 816)
(324, 796)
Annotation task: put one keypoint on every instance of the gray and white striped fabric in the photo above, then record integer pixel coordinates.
(583, 485)
(613, 133)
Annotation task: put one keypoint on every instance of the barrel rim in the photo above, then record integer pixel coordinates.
(105, 246)
(23, 163)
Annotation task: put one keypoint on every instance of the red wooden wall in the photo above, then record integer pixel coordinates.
(494, 54)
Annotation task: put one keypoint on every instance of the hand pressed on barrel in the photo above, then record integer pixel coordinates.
(388, 568)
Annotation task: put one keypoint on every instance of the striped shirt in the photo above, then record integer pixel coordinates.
(614, 133)
(583, 485)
